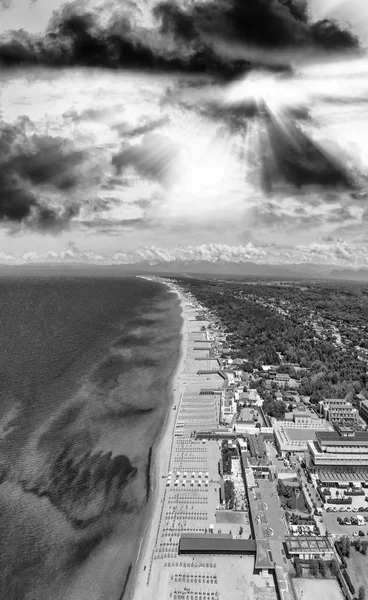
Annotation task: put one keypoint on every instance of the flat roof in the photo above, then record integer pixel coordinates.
(309, 544)
(211, 544)
(334, 438)
(301, 434)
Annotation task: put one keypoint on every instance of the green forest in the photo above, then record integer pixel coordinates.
(257, 333)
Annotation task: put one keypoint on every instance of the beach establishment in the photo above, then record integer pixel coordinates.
(201, 550)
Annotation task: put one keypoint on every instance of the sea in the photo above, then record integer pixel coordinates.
(86, 367)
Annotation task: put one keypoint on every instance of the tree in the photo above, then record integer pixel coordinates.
(322, 568)
(298, 567)
(334, 568)
(361, 593)
(345, 546)
(313, 567)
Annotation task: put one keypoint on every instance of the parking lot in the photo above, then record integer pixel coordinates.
(334, 527)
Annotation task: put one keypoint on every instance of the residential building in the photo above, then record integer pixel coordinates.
(282, 380)
(338, 411)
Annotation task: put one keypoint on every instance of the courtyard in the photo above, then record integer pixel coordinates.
(317, 589)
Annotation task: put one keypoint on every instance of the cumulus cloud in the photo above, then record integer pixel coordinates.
(336, 253)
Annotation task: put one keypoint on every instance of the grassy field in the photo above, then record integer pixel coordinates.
(357, 569)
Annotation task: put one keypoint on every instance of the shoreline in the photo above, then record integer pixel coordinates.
(161, 455)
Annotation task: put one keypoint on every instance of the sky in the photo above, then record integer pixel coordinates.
(165, 132)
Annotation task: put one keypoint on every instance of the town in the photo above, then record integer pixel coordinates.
(264, 494)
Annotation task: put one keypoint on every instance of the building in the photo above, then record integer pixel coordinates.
(293, 436)
(309, 547)
(338, 411)
(192, 543)
(228, 409)
(332, 453)
(282, 380)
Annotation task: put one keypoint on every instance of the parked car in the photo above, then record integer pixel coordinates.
(335, 509)
(361, 533)
(342, 509)
(347, 522)
(361, 509)
(355, 533)
(329, 509)
(354, 509)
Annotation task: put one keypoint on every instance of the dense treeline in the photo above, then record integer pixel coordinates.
(260, 335)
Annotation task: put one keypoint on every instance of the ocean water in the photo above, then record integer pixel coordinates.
(85, 378)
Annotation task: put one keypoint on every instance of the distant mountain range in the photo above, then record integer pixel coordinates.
(197, 268)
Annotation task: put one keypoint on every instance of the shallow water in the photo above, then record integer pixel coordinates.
(85, 371)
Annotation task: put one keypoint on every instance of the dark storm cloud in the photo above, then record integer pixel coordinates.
(31, 165)
(152, 158)
(266, 23)
(75, 36)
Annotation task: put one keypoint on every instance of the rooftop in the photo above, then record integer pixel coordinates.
(301, 434)
(333, 438)
(307, 544)
(215, 544)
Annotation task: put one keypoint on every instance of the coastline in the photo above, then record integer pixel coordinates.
(137, 588)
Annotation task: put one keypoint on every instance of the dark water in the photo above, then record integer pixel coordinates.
(85, 371)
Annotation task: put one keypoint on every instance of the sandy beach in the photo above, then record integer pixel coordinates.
(186, 502)
(138, 588)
